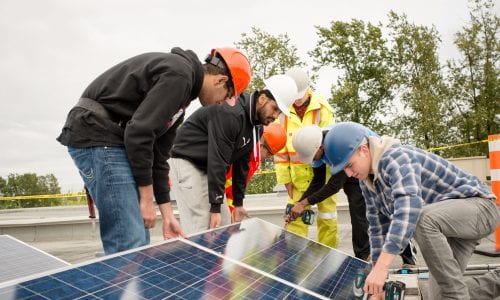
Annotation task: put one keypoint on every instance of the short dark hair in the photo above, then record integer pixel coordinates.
(267, 93)
(215, 65)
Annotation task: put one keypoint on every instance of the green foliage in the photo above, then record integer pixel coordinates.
(474, 80)
(29, 184)
(3, 184)
(390, 79)
(43, 202)
(269, 55)
(418, 81)
(261, 184)
(358, 51)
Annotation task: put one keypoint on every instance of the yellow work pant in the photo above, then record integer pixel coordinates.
(326, 220)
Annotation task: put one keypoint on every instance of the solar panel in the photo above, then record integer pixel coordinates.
(297, 260)
(18, 259)
(249, 260)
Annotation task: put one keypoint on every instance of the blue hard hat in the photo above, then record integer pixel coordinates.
(341, 142)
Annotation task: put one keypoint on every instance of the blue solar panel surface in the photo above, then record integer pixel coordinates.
(297, 260)
(251, 260)
(18, 259)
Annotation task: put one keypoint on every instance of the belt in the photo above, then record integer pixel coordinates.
(93, 106)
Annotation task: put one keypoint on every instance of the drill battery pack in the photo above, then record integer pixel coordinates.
(307, 215)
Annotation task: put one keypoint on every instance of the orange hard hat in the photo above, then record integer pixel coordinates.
(238, 65)
(275, 137)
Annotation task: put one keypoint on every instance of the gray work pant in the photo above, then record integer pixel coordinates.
(447, 234)
(190, 191)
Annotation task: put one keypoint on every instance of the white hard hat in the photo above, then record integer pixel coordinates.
(301, 80)
(283, 89)
(306, 142)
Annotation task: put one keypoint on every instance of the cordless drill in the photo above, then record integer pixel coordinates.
(307, 215)
(393, 290)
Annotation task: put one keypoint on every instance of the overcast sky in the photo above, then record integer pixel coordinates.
(51, 50)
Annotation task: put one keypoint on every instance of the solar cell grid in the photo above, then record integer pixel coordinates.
(171, 270)
(19, 259)
(251, 260)
(285, 255)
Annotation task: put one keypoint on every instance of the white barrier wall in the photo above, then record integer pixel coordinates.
(477, 165)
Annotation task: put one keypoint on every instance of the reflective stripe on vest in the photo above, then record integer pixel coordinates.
(327, 215)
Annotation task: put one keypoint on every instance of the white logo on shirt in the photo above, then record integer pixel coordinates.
(245, 142)
(175, 118)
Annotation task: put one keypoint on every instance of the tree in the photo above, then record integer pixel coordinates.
(3, 183)
(474, 77)
(419, 86)
(269, 55)
(29, 184)
(358, 52)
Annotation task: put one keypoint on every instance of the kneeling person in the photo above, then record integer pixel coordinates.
(413, 193)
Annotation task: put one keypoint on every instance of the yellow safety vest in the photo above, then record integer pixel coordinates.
(288, 166)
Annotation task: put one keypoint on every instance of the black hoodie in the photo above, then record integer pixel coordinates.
(148, 93)
(216, 136)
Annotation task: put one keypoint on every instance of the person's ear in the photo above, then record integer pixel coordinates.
(319, 151)
(221, 80)
(364, 149)
(261, 100)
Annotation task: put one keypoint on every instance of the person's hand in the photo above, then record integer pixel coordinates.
(374, 283)
(380, 296)
(297, 210)
(172, 229)
(146, 204)
(215, 220)
(240, 213)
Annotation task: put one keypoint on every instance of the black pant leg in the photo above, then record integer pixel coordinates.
(409, 255)
(359, 223)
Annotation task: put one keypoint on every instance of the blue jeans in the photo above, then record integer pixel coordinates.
(107, 174)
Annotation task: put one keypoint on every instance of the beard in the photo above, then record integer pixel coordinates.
(263, 118)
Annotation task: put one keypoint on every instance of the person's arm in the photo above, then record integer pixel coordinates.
(223, 130)
(375, 222)
(148, 210)
(374, 283)
(161, 152)
(317, 182)
(152, 119)
(332, 187)
(240, 174)
(403, 177)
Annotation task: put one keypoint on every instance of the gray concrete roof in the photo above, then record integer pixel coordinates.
(68, 233)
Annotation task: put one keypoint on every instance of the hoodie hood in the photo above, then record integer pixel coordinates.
(248, 101)
(378, 146)
(196, 67)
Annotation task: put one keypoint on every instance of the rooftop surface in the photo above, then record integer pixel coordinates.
(47, 230)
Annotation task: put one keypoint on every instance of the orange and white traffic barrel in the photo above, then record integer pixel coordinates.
(494, 149)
